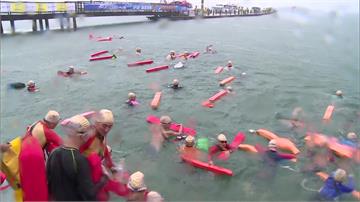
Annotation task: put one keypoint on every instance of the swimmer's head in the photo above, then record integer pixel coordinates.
(165, 120)
(351, 136)
(131, 95)
(222, 138)
(340, 175)
(71, 69)
(229, 88)
(138, 50)
(339, 93)
(189, 141)
(172, 52)
(272, 145)
(175, 82)
(31, 83)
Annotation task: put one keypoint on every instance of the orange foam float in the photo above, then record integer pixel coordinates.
(340, 150)
(210, 102)
(219, 69)
(282, 143)
(328, 112)
(156, 100)
(227, 80)
(286, 144)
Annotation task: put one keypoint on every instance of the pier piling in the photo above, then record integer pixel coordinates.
(47, 24)
(41, 24)
(12, 25)
(34, 25)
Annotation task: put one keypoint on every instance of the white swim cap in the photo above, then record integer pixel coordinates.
(339, 93)
(221, 137)
(154, 196)
(175, 82)
(340, 175)
(105, 116)
(31, 82)
(351, 135)
(78, 123)
(229, 88)
(131, 95)
(52, 116)
(165, 119)
(189, 139)
(272, 145)
(172, 51)
(136, 181)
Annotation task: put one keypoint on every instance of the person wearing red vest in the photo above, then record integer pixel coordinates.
(39, 139)
(99, 156)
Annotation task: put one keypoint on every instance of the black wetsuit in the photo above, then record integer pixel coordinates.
(176, 87)
(69, 176)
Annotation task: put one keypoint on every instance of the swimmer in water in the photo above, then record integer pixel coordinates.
(131, 99)
(31, 87)
(165, 123)
(229, 89)
(171, 56)
(175, 84)
(229, 65)
(221, 146)
(185, 55)
(339, 93)
(209, 49)
(138, 51)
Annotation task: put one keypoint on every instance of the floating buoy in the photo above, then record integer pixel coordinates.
(138, 63)
(155, 69)
(99, 53)
(328, 112)
(156, 100)
(218, 95)
(219, 70)
(102, 58)
(227, 80)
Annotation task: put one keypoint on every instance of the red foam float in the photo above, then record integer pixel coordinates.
(207, 166)
(218, 95)
(99, 53)
(144, 62)
(155, 69)
(102, 58)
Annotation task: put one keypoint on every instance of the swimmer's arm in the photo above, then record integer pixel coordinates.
(166, 134)
(212, 151)
(349, 187)
(286, 156)
(180, 130)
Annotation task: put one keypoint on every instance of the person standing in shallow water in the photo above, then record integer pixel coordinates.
(38, 142)
(165, 123)
(334, 186)
(68, 172)
(222, 145)
(175, 85)
(31, 87)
